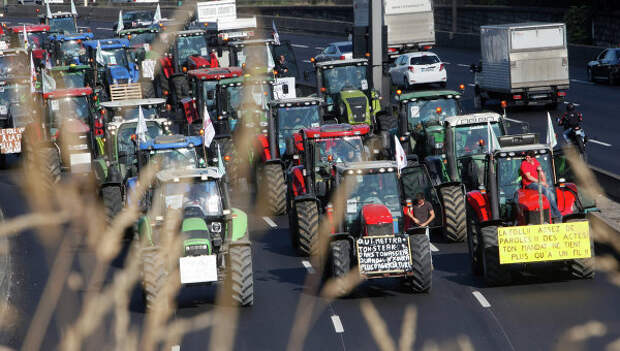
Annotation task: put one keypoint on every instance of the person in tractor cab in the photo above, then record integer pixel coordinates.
(532, 174)
(282, 66)
(570, 120)
(422, 213)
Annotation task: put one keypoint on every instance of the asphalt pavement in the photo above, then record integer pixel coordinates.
(536, 313)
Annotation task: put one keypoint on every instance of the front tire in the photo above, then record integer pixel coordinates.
(422, 264)
(339, 263)
(241, 276)
(154, 275)
(455, 221)
(494, 273)
(582, 268)
(473, 236)
(308, 227)
(274, 186)
(112, 198)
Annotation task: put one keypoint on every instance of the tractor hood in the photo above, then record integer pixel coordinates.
(357, 107)
(119, 72)
(376, 219)
(198, 62)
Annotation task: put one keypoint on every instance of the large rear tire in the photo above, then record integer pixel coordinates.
(181, 87)
(154, 274)
(241, 276)
(308, 227)
(112, 198)
(494, 273)
(582, 268)
(421, 281)
(274, 186)
(51, 169)
(454, 227)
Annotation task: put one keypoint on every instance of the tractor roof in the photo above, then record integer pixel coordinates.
(117, 122)
(71, 67)
(31, 28)
(381, 166)
(175, 175)
(336, 130)
(72, 36)
(428, 94)
(189, 33)
(252, 42)
(13, 51)
(112, 43)
(68, 93)
(216, 73)
(301, 101)
(474, 118)
(167, 142)
(349, 62)
(519, 143)
(133, 102)
(139, 30)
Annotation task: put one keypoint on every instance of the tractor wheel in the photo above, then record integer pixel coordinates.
(582, 268)
(339, 262)
(387, 122)
(473, 236)
(454, 224)
(50, 164)
(148, 91)
(240, 275)
(274, 186)
(308, 227)
(422, 263)
(112, 201)
(291, 212)
(494, 273)
(227, 148)
(154, 274)
(181, 87)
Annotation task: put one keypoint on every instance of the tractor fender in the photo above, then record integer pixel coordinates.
(298, 181)
(344, 236)
(223, 136)
(144, 230)
(447, 184)
(567, 196)
(275, 161)
(166, 66)
(436, 169)
(262, 145)
(492, 223)
(100, 169)
(481, 205)
(130, 187)
(308, 197)
(573, 216)
(239, 225)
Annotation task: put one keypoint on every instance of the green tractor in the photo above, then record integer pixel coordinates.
(216, 243)
(71, 76)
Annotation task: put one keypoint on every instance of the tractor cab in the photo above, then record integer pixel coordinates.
(171, 152)
(346, 87)
(60, 22)
(71, 76)
(117, 77)
(69, 49)
(245, 100)
(140, 41)
(14, 64)
(36, 37)
(262, 56)
(189, 50)
(17, 109)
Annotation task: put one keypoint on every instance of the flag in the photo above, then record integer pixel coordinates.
(493, 143)
(220, 163)
(157, 16)
(48, 82)
(276, 36)
(551, 140)
(48, 12)
(99, 54)
(141, 127)
(401, 157)
(25, 34)
(207, 127)
(48, 61)
(73, 9)
(33, 75)
(120, 25)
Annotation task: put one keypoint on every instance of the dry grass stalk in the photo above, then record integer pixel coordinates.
(377, 326)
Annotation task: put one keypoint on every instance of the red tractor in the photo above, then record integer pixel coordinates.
(37, 40)
(316, 151)
(506, 221)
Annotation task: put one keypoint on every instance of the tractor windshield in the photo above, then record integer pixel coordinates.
(69, 107)
(63, 25)
(36, 40)
(66, 79)
(195, 45)
(13, 65)
(196, 197)
(208, 94)
(72, 49)
(292, 119)
(257, 55)
(474, 139)
(345, 149)
(141, 38)
(372, 187)
(15, 101)
(175, 158)
(341, 78)
(509, 177)
(132, 112)
(124, 143)
(421, 111)
(114, 57)
(233, 97)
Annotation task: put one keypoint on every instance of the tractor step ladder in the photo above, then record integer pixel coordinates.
(125, 91)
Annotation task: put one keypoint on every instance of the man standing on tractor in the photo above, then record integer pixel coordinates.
(532, 174)
(422, 213)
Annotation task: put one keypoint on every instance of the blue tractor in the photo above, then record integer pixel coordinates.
(117, 77)
(67, 49)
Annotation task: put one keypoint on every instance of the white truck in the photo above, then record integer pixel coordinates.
(410, 24)
(522, 64)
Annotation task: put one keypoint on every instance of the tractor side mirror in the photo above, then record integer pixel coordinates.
(290, 146)
(306, 75)
(211, 95)
(321, 189)
(220, 52)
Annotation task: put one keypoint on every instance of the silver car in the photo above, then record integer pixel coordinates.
(341, 50)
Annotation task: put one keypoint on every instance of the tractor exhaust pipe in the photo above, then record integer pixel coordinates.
(271, 135)
(493, 190)
(450, 154)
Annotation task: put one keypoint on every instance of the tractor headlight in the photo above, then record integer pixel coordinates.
(216, 227)
(438, 145)
(263, 124)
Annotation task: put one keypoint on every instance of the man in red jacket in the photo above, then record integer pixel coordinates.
(532, 174)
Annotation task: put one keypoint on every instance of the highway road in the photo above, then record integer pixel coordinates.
(537, 313)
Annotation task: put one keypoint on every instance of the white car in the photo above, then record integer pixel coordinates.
(418, 68)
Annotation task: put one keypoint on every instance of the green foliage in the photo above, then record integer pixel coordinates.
(578, 21)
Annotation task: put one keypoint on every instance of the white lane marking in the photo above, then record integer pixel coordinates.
(581, 81)
(463, 65)
(481, 299)
(319, 48)
(271, 223)
(337, 324)
(176, 348)
(308, 266)
(574, 103)
(307, 61)
(599, 142)
(434, 248)
(300, 46)
(101, 28)
(447, 63)
(513, 120)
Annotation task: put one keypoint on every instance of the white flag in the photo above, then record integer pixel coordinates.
(141, 129)
(551, 139)
(401, 157)
(220, 163)
(493, 143)
(48, 83)
(73, 9)
(276, 36)
(207, 127)
(48, 12)
(33, 75)
(120, 26)
(157, 16)
(99, 54)
(25, 34)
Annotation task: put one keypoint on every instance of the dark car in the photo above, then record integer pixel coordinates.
(136, 19)
(605, 67)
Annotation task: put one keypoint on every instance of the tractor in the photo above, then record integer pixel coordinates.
(65, 77)
(260, 55)
(119, 162)
(216, 243)
(272, 162)
(140, 52)
(67, 49)
(62, 22)
(117, 77)
(510, 228)
(315, 151)
(37, 38)
(374, 233)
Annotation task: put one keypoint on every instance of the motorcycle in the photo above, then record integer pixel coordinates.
(577, 137)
